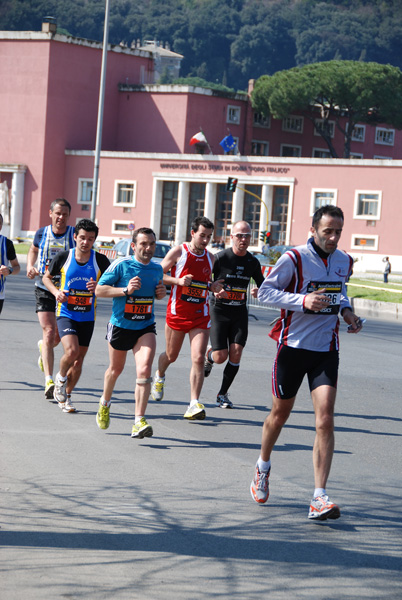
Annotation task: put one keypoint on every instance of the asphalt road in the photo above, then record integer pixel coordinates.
(91, 514)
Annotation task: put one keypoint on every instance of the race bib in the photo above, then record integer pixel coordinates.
(79, 300)
(235, 296)
(138, 309)
(332, 291)
(195, 293)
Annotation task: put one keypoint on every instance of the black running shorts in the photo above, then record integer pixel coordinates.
(125, 339)
(45, 301)
(228, 326)
(292, 364)
(83, 330)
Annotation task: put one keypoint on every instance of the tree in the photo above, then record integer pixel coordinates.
(361, 92)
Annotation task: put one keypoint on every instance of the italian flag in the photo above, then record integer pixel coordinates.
(198, 138)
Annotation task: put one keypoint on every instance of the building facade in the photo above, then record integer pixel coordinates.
(150, 174)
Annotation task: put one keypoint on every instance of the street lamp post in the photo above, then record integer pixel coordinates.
(100, 113)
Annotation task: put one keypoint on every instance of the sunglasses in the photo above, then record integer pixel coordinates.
(241, 236)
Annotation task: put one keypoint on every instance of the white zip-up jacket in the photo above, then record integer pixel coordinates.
(300, 271)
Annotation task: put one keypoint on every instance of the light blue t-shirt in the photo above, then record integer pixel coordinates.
(137, 310)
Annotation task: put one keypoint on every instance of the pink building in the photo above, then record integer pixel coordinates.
(150, 175)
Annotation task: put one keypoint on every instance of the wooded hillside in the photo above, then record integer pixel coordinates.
(231, 41)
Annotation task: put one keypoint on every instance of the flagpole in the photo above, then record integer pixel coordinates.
(210, 149)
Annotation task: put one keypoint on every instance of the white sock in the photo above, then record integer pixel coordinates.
(319, 492)
(104, 403)
(48, 378)
(157, 376)
(264, 465)
(193, 402)
(138, 419)
(60, 378)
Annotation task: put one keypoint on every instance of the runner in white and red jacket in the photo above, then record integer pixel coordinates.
(308, 284)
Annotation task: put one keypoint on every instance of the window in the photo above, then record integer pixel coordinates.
(367, 205)
(169, 208)
(196, 203)
(320, 126)
(124, 193)
(259, 148)
(122, 227)
(293, 123)
(223, 214)
(321, 197)
(233, 115)
(359, 133)
(321, 153)
(355, 155)
(384, 136)
(287, 150)
(364, 242)
(252, 210)
(382, 157)
(85, 187)
(262, 120)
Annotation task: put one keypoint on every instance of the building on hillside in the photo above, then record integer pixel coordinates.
(166, 63)
(151, 175)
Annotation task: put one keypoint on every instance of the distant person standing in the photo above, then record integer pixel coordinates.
(387, 268)
(8, 262)
(48, 241)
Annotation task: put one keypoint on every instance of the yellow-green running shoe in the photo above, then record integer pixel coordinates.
(102, 416)
(157, 388)
(196, 411)
(40, 360)
(49, 389)
(141, 429)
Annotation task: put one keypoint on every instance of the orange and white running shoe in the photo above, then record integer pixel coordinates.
(321, 508)
(259, 487)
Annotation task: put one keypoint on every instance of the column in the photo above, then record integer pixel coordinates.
(182, 212)
(238, 206)
(210, 201)
(156, 209)
(17, 203)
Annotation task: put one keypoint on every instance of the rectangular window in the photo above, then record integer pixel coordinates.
(382, 157)
(364, 242)
(122, 227)
(293, 123)
(287, 150)
(85, 187)
(223, 214)
(356, 155)
(321, 153)
(280, 205)
(320, 125)
(384, 136)
(196, 205)
(261, 120)
(233, 115)
(252, 210)
(259, 148)
(124, 193)
(169, 208)
(359, 133)
(367, 205)
(322, 197)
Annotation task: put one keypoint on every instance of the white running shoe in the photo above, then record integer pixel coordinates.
(60, 393)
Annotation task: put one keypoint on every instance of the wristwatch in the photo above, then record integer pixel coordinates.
(10, 269)
(125, 291)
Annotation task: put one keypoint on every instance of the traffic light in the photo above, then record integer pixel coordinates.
(231, 184)
(264, 236)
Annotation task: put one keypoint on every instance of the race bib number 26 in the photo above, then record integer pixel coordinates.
(332, 290)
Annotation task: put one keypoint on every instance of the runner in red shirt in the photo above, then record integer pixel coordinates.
(188, 310)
